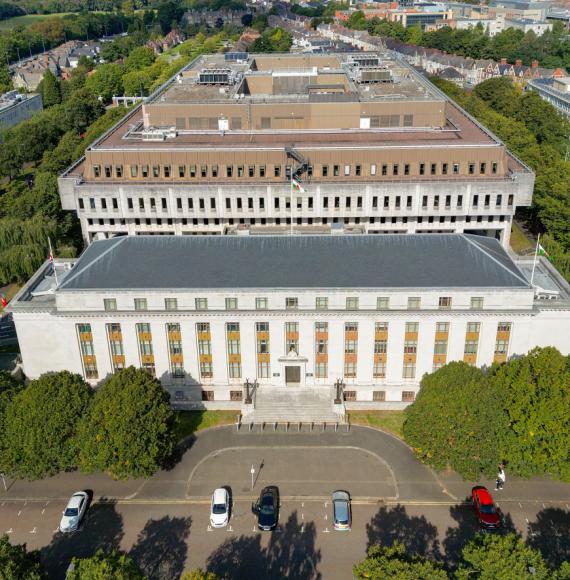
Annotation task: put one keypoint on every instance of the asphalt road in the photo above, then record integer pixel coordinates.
(166, 538)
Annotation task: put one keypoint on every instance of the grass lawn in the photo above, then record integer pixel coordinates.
(188, 422)
(519, 242)
(28, 19)
(9, 291)
(390, 421)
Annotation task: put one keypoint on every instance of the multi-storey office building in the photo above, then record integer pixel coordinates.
(377, 148)
(205, 314)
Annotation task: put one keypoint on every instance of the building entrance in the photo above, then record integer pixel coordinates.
(293, 376)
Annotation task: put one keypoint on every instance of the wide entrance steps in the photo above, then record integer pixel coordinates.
(293, 405)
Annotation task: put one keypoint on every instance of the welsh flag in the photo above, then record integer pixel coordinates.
(297, 186)
(542, 251)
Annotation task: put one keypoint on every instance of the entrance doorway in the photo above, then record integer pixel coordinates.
(293, 375)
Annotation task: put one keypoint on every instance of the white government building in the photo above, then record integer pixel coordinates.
(205, 314)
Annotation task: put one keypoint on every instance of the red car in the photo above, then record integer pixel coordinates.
(487, 512)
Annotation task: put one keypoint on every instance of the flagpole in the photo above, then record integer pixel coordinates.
(52, 262)
(534, 261)
(291, 201)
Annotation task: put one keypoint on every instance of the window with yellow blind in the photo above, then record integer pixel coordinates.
(87, 350)
(502, 342)
(262, 348)
(115, 339)
(174, 337)
(350, 349)
(146, 354)
(321, 349)
(291, 337)
(471, 343)
(204, 338)
(233, 344)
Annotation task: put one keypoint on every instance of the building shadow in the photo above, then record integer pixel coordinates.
(466, 529)
(550, 533)
(290, 553)
(102, 528)
(391, 525)
(160, 550)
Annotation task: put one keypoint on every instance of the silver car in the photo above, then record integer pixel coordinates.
(74, 512)
(342, 515)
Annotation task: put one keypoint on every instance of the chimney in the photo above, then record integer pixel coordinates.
(503, 61)
(534, 64)
(518, 62)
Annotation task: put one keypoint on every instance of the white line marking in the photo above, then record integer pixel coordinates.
(34, 531)
(25, 503)
(303, 504)
(326, 517)
(302, 528)
(43, 511)
(520, 505)
(254, 528)
(544, 507)
(302, 516)
(326, 531)
(56, 530)
(10, 531)
(209, 528)
(527, 521)
(230, 529)
(19, 513)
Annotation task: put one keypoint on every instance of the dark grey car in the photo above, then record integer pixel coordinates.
(342, 514)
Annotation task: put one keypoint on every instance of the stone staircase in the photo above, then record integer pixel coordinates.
(294, 405)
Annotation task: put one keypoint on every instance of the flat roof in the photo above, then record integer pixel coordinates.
(302, 262)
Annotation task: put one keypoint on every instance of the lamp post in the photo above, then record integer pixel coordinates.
(252, 471)
(339, 386)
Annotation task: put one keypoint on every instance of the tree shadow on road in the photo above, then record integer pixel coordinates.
(290, 554)
(550, 533)
(160, 550)
(394, 524)
(101, 528)
(467, 527)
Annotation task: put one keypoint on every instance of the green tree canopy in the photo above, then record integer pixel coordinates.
(81, 109)
(103, 566)
(5, 79)
(39, 439)
(50, 89)
(16, 563)
(455, 421)
(496, 556)
(393, 562)
(129, 429)
(536, 391)
(106, 82)
(139, 58)
(499, 93)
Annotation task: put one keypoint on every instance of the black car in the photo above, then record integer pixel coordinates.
(267, 508)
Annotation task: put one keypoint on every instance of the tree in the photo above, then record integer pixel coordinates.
(50, 89)
(456, 420)
(11, 159)
(104, 565)
(39, 439)
(16, 563)
(128, 431)
(81, 109)
(536, 402)
(169, 13)
(492, 556)
(499, 93)
(106, 81)
(9, 388)
(5, 79)
(139, 58)
(393, 562)
(199, 574)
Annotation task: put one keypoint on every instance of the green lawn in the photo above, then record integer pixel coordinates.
(28, 19)
(390, 421)
(188, 422)
(519, 242)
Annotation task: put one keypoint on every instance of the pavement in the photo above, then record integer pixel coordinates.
(163, 522)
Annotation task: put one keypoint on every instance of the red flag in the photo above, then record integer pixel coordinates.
(4, 302)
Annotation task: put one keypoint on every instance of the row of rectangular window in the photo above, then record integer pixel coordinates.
(262, 171)
(250, 201)
(233, 344)
(292, 303)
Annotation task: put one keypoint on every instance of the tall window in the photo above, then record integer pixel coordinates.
(380, 350)
(234, 350)
(87, 351)
(410, 350)
(321, 349)
(174, 337)
(146, 353)
(471, 342)
(204, 350)
(292, 337)
(502, 342)
(262, 348)
(115, 338)
(350, 349)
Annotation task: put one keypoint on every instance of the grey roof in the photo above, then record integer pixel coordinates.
(343, 261)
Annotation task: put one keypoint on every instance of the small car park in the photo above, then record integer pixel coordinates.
(220, 508)
(485, 508)
(267, 508)
(74, 512)
(342, 513)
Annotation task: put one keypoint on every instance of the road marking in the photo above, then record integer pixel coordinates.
(230, 529)
(303, 504)
(43, 511)
(326, 531)
(302, 528)
(520, 505)
(34, 531)
(527, 521)
(209, 528)
(326, 517)
(254, 528)
(56, 530)
(543, 506)
(10, 531)
(19, 513)
(302, 516)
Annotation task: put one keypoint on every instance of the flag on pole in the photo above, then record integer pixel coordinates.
(542, 251)
(4, 302)
(297, 185)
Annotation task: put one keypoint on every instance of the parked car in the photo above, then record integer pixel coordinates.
(267, 508)
(74, 512)
(220, 509)
(342, 514)
(485, 508)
